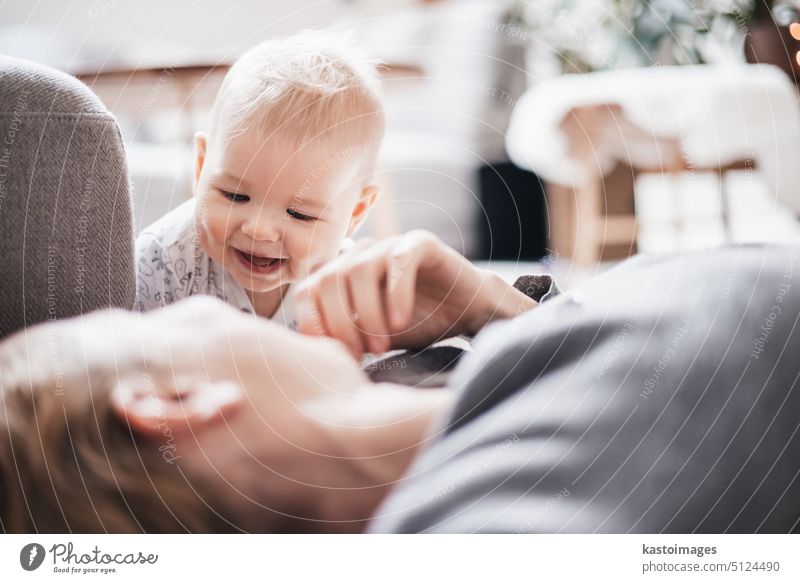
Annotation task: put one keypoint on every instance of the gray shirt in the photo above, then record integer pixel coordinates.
(660, 397)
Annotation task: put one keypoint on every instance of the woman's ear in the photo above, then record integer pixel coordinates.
(159, 410)
(365, 202)
(200, 144)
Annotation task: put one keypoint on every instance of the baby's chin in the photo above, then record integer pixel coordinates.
(257, 287)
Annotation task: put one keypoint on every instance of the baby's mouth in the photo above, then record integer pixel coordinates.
(259, 263)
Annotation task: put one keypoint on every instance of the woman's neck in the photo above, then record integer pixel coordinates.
(376, 433)
(326, 464)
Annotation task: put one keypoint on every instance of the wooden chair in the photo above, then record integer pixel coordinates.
(580, 226)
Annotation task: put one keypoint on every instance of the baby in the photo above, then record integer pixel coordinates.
(282, 179)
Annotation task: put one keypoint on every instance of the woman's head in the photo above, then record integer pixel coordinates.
(196, 418)
(66, 462)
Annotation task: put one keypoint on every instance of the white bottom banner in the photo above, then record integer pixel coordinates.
(406, 558)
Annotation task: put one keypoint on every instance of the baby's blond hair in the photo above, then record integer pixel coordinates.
(309, 86)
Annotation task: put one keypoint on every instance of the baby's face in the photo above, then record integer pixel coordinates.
(270, 213)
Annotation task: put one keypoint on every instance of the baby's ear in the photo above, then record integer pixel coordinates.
(365, 202)
(154, 409)
(200, 143)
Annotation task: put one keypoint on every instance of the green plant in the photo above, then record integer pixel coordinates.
(590, 35)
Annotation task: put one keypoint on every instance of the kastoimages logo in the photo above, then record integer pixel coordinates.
(31, 556)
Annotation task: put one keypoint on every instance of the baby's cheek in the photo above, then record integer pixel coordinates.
(310, 248)
(325, 245)
(218, 222)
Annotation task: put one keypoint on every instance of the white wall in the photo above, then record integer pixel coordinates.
(79, 34)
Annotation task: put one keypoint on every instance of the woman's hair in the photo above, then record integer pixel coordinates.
(68, 464)
(311, 85)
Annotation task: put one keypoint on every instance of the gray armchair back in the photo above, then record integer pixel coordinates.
(66, 234)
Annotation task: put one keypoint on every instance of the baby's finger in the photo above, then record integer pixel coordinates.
(307, 312)
(364, 280)
(333, 298)
(401, 279)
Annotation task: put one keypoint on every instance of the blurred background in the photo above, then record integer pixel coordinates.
(565, 132)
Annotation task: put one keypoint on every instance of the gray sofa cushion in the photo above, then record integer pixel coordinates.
(65, 211)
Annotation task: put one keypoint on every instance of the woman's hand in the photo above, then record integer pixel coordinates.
(402, 292)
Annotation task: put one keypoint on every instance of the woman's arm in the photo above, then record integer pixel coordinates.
(402, 292)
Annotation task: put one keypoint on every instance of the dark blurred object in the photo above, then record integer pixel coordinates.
(513, 221)
(769, 41)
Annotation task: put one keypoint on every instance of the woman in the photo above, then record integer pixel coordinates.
(622, 409)
(201, 418)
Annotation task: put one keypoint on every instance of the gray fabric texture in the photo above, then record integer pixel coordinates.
(660, 397)
(65, 208)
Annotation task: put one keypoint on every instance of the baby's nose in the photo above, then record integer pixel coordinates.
(262, 227)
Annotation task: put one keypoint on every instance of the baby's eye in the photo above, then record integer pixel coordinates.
(299, 216)
(234, 197)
